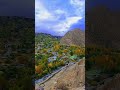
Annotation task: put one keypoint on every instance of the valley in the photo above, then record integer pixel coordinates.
(52, 58)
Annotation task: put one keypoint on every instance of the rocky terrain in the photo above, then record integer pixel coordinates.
(102, 62)
(71, 78)
(103, 27)
(112, 83)
(74, 37)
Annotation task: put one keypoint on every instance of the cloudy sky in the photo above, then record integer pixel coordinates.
(56, 17)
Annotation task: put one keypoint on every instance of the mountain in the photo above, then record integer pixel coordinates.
(74, 37)
(102, 31)
(16, 52)
(18, 21)
(46, 38)
(112, 82)
(103, 27)
(45, 34)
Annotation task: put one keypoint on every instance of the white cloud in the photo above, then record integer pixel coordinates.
(79, 6)
(72, 20)
(41, 13)
(64, 26)
(59, 11)
(78, 2)
(59, 20)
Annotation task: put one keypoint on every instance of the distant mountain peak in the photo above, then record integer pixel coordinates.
(74, 37)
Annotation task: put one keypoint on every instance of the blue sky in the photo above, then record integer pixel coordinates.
(56, 17)
(24, 8)
(111, 4)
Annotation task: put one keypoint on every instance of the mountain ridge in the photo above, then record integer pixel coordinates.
(74, 37)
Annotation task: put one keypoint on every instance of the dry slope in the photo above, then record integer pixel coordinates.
(72, 78)
(74, 37)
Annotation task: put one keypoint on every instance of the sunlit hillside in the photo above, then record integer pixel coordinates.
(51, 55)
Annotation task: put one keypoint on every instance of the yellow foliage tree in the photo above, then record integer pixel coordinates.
(50, 65)
(38, 69)
(62, 62)
(77, 51)
(59, 55)
(56, 47)
(44, 50)
(65, 51)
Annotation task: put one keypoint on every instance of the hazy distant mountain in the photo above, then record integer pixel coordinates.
(45, 34)
(19, 21)
(48, 35)
(74, 37)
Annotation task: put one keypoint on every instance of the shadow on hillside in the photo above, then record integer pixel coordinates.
(16, 53)
(102, 46)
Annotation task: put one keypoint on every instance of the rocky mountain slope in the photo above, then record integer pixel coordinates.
(71, 78)
(112, 83)
(103, 30)
(103, 27)
(74, 37)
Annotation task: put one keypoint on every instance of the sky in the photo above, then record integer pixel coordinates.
(56, 17)
(24, 8)
(111, 4)
(53, 16)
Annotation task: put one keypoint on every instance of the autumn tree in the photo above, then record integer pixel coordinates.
(56, 47)
(77, 51)
(38, 69)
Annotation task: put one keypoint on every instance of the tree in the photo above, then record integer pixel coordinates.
(23, 59)
(38, 69)
(50, 65)
(65, 51)
(56, 47)
(77, 51)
